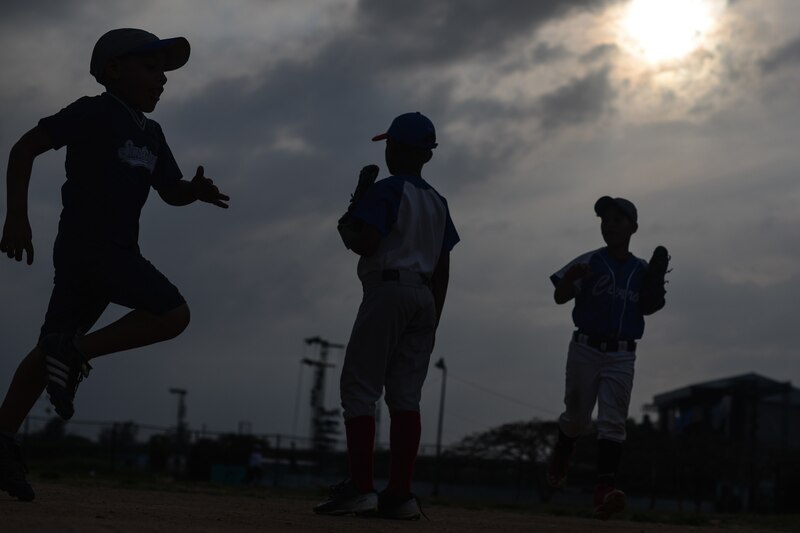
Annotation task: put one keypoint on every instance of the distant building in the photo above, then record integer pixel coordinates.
(744, 433)
(737, 408)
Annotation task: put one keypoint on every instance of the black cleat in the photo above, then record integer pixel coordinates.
(13, 470)
(66, 367)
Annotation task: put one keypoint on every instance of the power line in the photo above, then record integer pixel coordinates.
(503, 396)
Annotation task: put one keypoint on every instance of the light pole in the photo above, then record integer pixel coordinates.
(441, 366)
(181, 427)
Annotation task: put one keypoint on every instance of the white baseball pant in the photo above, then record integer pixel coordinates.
(390, 345)
(605, 378)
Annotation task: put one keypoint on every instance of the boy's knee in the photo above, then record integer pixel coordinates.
(178, 319)
(573, 427)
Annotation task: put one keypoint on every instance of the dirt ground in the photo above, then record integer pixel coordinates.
(85, 508)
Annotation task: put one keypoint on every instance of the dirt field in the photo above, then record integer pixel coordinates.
(85, 508)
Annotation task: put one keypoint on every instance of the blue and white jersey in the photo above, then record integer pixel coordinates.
(607, 302)
(413, 221)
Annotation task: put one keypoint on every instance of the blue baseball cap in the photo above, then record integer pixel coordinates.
(123, 41)
(413, 129)
(626, 206)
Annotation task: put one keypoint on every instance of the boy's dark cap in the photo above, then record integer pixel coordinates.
(626, 206)
(413, 129)
(122, 41)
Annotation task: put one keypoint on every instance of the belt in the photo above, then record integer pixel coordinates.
(405, 275)
(604, 345)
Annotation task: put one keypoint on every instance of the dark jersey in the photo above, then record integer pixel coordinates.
(607, 302)
(114, 156)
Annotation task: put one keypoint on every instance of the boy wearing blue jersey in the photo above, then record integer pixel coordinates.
(401, 228)
(610, 305)
(115, 155)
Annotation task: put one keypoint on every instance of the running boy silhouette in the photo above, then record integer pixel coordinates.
(613, 291)
(401, 228)
(115, 154)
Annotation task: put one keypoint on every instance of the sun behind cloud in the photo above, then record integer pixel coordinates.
(658, 31)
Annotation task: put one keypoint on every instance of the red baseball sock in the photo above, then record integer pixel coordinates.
(404, 444)
(360, 443)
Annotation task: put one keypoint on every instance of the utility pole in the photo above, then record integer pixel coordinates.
(443, 367)
(324, 422)
(181, 441)
(180, 429)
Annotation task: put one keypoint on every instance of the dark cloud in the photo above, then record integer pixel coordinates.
(785, 56)
(546, 53)
(421, 31)
(580, 101)
(600, 52)
(21, 11)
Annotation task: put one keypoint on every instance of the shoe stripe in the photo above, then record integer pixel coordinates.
(58, 381)
(52, 361)
(55, 373)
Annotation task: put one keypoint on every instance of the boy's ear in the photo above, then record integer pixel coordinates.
(635, 227)
(112, 70)
(427, 156)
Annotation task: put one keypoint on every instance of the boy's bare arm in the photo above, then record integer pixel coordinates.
(565, 290)
(439, 282)
(17, 236)
(200, 188)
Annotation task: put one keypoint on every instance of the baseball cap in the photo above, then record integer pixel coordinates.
(122, 41)
(413, 129)
(626, 206)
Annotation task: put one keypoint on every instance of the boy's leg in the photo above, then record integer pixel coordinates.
(584, 365)
(81, 293)
(580, 396)
(159, 311)
(614, 395)
(613, 398)
(405, 376)
(136, 329)
(374, 337)
(376, 332)
(26, 386)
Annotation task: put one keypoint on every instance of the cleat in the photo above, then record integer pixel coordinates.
(13, 470)
(399, 507)
(608, 501)
(66, 367)
(345, 499)
(559, 465)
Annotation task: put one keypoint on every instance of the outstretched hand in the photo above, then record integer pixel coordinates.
(17, 238)
(206, 191)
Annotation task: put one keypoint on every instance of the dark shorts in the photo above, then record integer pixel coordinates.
(87, 279)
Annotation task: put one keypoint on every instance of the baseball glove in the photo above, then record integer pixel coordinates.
(347, 223)
(652, 295)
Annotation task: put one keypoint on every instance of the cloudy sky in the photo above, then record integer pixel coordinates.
(540, 107)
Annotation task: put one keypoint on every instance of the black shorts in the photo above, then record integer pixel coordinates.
(88, 278)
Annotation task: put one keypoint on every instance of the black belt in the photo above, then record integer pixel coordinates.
(604, 345)
(394, 275)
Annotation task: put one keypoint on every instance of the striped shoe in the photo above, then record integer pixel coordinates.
(66, 367)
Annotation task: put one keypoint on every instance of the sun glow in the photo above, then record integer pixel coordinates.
(667, 30)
